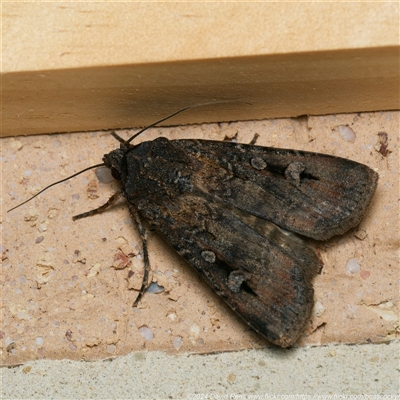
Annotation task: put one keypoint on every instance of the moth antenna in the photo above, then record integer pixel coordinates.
(121, 140)
(177, 112)
(56, 183)
(155, 123)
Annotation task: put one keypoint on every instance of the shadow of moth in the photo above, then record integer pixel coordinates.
(236, 213)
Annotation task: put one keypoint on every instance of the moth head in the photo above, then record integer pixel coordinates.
(115, 162)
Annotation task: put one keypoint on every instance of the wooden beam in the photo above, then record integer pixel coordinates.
(89, 66)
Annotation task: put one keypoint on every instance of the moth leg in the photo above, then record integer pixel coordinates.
(143, 235)
(100, 209)
(254, 140)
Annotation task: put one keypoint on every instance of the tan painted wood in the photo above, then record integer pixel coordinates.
(69, 66)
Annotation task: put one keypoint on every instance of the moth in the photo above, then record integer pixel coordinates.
(238, 214)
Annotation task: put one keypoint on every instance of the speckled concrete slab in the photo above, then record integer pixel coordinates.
(370, 369)
(67, 291)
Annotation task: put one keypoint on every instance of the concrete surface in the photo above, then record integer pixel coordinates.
(371, 369)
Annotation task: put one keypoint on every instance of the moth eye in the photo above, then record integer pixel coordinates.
(115, 174)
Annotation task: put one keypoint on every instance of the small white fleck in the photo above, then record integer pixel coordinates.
(347, 133)
(16, 145)
(318, 309)
(24, 316)
(39, 341)
(154, 287)
(111, 348)
(146, 332)
(172, 316)
(178, 342)
(168, 274)
(353, 266)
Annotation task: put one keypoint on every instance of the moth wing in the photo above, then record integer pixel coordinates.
(313, 194)
(261, 271)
